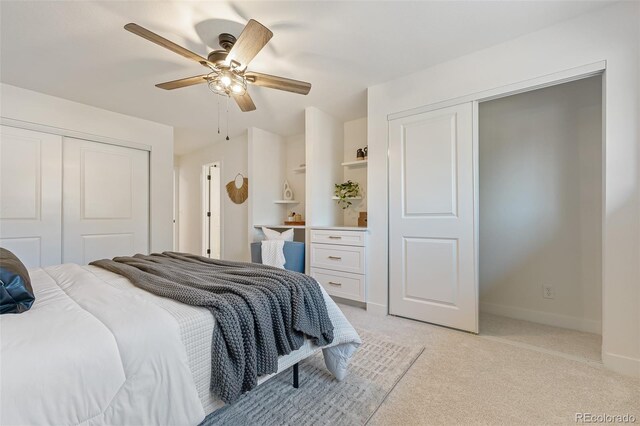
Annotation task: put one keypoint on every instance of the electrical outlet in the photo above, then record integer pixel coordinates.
(548, 292)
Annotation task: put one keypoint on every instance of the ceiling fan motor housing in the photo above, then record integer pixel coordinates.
(218, 57)
(226, 41)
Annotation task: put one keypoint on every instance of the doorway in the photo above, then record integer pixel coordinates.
(541, 218)
(212, 214)
(176, 208)
(431, 185)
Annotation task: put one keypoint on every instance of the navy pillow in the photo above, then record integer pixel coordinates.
(16, 293)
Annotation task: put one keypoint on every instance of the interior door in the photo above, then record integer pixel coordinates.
(31, 195)
(212, 224)
(105, 201)
(431, 218)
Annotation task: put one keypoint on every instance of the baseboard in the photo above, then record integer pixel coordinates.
(349, 302)
(565, 321)
(621, 364)
(377, 309)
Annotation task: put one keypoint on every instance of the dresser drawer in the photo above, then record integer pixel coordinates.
(338, 258)
(341, 284)
(329, 236)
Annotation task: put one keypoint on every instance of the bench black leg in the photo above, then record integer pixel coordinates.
(295, 375)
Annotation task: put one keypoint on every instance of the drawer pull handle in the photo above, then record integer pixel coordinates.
(335, 257)
(335, 237)
(336, 284)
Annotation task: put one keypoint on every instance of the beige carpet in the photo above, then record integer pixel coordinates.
(464, 379)
(321, 399)
(570, 342)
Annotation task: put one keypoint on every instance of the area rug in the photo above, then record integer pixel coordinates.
(322, 400)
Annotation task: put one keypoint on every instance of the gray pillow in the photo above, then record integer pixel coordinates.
(16, 293)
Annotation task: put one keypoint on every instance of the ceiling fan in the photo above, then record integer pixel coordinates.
(228, 74)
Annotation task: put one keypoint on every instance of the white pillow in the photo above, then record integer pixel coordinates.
(275, 235)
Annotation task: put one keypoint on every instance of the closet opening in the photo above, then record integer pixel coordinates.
(211, 211)
(541, 186)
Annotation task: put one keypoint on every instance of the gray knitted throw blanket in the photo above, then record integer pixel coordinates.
(261, 312)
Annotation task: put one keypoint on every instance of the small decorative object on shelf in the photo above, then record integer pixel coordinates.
(362, 219)
(366, 152)
(344, 192)
(287, 193)
(294, 219)
(360, 154)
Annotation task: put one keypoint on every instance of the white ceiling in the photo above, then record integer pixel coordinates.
(78, 50)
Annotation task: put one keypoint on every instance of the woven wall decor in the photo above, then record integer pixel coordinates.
(238, 189)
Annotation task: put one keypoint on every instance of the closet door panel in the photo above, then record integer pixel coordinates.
(107, 185)
(431, 218)
(31, 195)
(106, 201)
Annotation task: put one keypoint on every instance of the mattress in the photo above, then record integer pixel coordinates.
(196, 330)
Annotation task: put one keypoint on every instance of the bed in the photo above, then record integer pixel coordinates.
(95, 349)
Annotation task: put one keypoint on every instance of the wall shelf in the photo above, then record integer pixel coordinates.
(281, 226)
(300, 170)
(349, 198)
(356, 163)
(286, 202)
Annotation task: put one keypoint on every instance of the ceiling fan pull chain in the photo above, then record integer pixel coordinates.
(227, 117)
(218, 100)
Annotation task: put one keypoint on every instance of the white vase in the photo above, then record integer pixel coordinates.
(287, 193)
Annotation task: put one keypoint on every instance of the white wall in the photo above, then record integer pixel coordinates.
(267, 161)
(295, 156)
(355, 136)
(610, 34)
(33, 107)
(540, 205)
(233, 158)
(324, 137)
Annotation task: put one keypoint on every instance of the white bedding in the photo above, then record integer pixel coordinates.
(95, 349)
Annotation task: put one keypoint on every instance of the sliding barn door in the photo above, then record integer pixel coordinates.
(105, 201)
(431, 218)
(30, 195)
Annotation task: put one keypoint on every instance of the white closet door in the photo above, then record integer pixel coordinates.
(30, 195)
(105, 201)
(431, 215)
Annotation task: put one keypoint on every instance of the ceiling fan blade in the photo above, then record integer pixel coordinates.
(167, 44)
(245, 102)
(251, 41)
(280, 83)
(183, 82)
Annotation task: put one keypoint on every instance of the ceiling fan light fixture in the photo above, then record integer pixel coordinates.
(225, 80)
(226, 83)
(238, 84)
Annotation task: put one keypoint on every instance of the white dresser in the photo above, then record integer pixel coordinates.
(338, 261)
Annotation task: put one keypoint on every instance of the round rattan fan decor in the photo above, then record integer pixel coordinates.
(238, 194)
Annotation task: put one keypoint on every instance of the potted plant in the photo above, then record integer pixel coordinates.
(345, 192)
